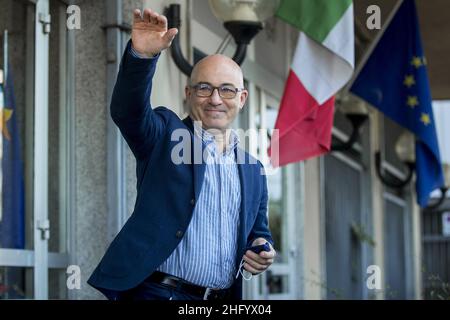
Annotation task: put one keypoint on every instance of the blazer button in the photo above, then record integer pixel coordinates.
(179, 234)
(192, 201)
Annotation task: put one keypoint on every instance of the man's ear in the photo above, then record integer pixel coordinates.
(243, 98)
(187, 92)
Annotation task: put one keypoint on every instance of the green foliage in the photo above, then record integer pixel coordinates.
(441, 288)
(360, 233)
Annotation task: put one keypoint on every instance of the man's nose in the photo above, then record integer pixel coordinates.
(215, 97)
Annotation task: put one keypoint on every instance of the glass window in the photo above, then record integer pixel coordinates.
(57, 287)
(16, 283)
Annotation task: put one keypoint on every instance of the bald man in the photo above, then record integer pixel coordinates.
(198, 210)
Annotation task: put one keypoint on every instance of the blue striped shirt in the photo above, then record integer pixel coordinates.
(206, 255)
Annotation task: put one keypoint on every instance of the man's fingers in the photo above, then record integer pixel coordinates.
(151, 17)
(147, 14)
(252, 270)
(162, 20)
(254, 256)
(255, 265)
(170, 34)
(137, 15)
(268, 255)
(154, 17)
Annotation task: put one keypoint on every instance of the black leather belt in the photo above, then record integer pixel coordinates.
(183, 285)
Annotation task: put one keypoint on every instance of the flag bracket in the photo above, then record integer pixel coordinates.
(398, 184)
(357, 120)
(242, 31)
(356, 112)
(437, 204)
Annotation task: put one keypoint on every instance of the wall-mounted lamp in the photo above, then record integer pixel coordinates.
(405, 150)
(242, 18)
(437, 204)
(357, 113)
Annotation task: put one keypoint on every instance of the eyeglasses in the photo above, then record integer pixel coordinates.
(226, 91)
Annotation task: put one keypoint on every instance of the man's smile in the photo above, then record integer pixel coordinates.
(214, 112)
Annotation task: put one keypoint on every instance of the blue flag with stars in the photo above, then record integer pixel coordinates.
(12, 215)
(395, 81)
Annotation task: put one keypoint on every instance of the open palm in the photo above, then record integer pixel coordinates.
(150, 35)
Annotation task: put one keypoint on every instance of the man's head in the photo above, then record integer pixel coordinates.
(215, 112)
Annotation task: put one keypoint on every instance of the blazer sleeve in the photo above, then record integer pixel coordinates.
(261, 227)
(130, 106)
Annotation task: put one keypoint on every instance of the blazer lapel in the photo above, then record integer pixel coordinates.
(241, 160)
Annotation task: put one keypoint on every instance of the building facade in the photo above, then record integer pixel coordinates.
(332, 219)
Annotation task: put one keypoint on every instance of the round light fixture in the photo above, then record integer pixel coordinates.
(243, 10)
(405, 147)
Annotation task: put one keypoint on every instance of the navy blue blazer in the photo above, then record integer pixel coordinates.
(166, 192)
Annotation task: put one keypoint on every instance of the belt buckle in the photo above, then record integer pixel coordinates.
(207, 293)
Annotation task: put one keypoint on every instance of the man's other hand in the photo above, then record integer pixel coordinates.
(257, 263)
(149, 35)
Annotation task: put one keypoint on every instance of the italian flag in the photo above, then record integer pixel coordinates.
(323, 63)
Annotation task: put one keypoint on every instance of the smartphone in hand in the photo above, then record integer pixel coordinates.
(257, 249)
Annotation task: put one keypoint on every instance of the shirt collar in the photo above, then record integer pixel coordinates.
(207, 137)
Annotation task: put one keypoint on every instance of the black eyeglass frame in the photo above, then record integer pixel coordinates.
(196, 87)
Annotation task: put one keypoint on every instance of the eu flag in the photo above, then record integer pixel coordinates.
(12, 214)
(395, 81)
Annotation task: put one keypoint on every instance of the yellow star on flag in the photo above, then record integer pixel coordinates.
(409, 80)
(425, 118)
(5, 115)
(412, 101)
(416, 62)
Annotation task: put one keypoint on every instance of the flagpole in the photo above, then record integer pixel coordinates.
(372, 46)
(5, 55)
(2, 114)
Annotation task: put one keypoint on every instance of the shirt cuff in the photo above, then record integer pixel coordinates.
(135, 54)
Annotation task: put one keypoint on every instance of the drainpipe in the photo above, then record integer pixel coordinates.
(116, 155)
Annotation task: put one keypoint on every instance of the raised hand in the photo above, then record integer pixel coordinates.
(150, 35)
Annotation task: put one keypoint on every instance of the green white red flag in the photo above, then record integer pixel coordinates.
(323, 63)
